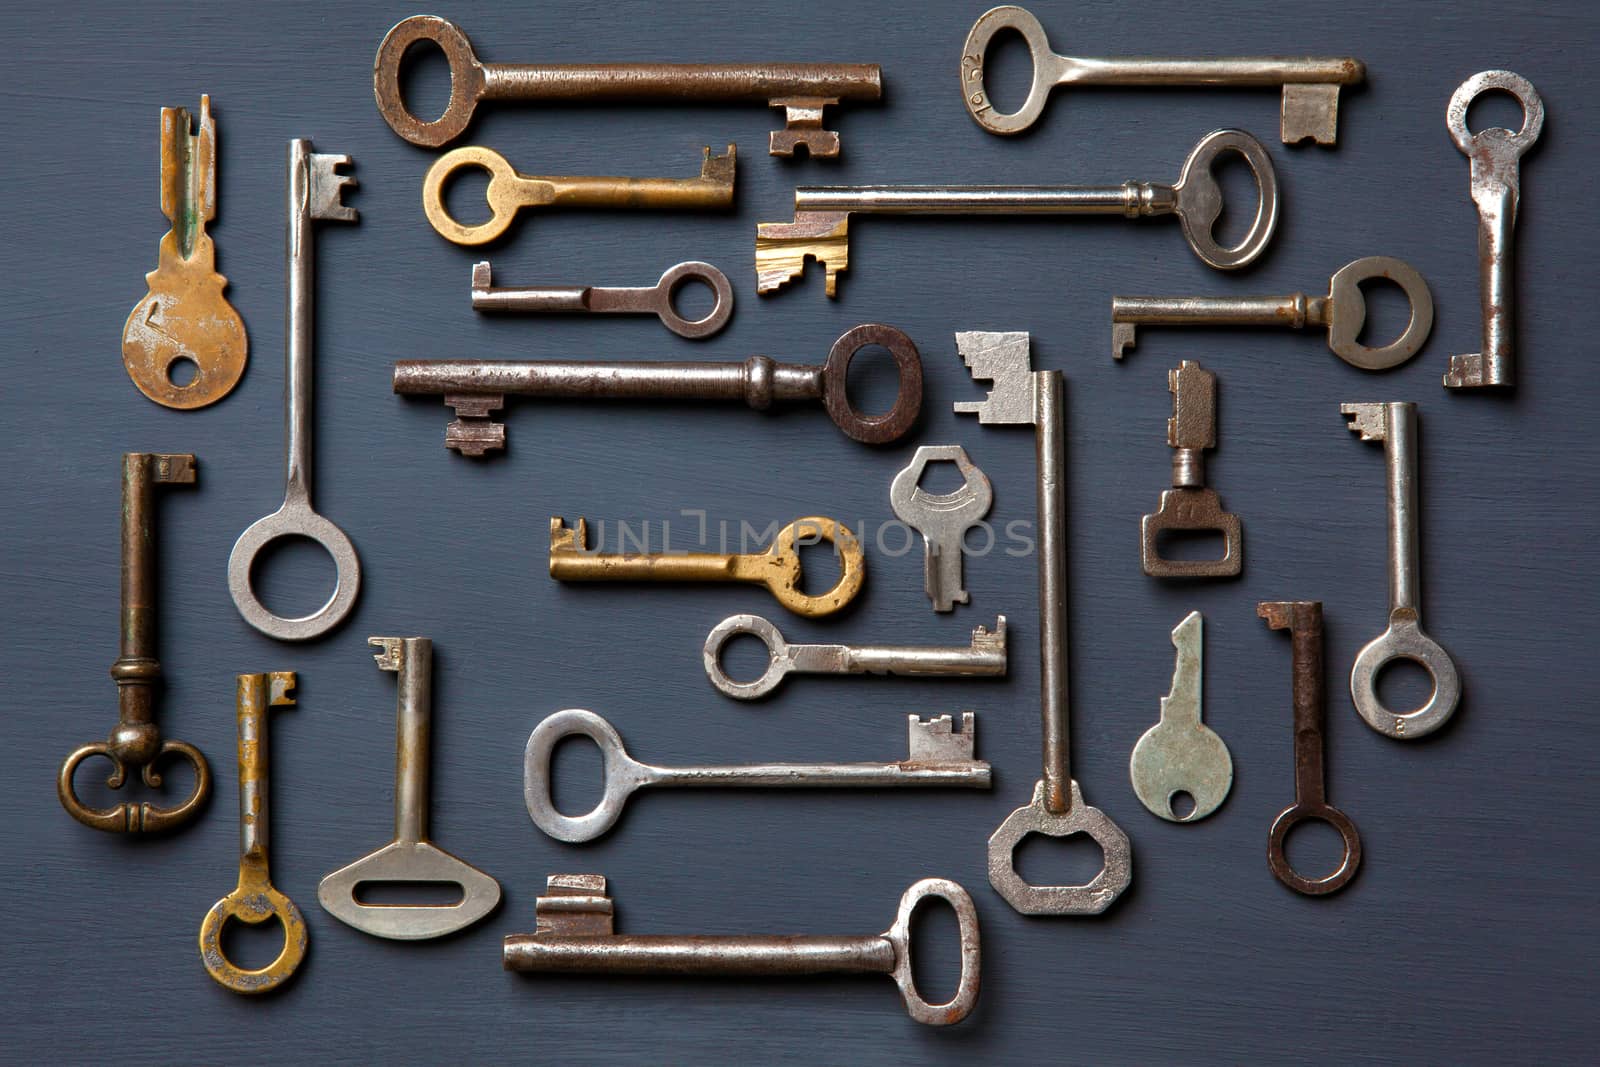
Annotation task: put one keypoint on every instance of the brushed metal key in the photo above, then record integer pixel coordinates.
(939, 756)
(1189, 504)
(942, 519)
(1181, 754)
(654, 299)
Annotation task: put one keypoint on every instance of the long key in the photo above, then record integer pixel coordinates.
(1395, 424)
(821, 226)
(575, 936)
(255, 899)
(1023, 396)
(1496, 187)
(1189, 504)
(314, 189)
(1343, 313)
(1181, 754)
(1303, 620)
(1309, 111)
(984, 658)
(942, 519)
(939, 756)
(801, 89)
(510, 191)
(602, 300)
(778, 568)
(476, 388)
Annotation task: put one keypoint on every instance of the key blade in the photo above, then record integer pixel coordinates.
(942, 574)
(389, 653)
(188, 171)
(1369, 420)
(1194, 406)
(936, 741)
(1004, 359)
(574, 905)
(783, 247)
(567, 540)
(326, 187)
(1183, 699)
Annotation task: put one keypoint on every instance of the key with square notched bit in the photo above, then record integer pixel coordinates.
(1189, 505)
(942, 519)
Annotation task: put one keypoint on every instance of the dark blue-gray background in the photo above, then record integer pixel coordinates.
(1469, 933)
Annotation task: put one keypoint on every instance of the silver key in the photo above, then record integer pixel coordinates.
(942, 519)
(1181, 754)
(647, 300)
(1395, 424)
(984, 658)
(939, 756)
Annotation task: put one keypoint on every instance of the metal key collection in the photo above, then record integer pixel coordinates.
(1179, 769)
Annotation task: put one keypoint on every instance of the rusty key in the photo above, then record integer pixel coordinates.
(1189, 504)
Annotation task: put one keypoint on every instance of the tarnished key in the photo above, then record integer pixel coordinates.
(778, 568)
(510, 191)
(821, 226)
(647, 300)
(801, 89)
(1181, 754)
(942, 519)
(1496, 187)
(1310, 108)
(1189, 505)
(1303, 620)
(1343, 313)
(1023, 396)
(984, 658)
(575, 936)
(939, 756)
(1395, 424)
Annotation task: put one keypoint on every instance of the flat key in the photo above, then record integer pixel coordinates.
(939, 756)
(1395, 424)
(821, 226)
(778, 568)
(1343, 313)
(942, 519)
(984, 658)
(1309, 111)
(645, 300)
(575, 935)
(510, 191)
(1181, 754)
(1303, 620)
(476, 388)
(803, 90)
(1496, 188)
(1189, 505)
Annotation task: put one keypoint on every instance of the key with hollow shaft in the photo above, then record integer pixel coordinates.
(940, 756)
(1496, 156)
(1189, 504)
(942, 519)
(1343, 313)
(575, 936)
(411, 857)
(821, 226)
(1180, 753)
(510, 191)
(1022, 396)
(803, 90)
(654, 299)
(1395, 425)
(984, 658)
(1303, 620)
(476, 388)
(1310, 84)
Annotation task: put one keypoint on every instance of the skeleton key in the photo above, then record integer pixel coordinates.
(942, 519)
(650, 300)
(136, 741)
(821, 226)
(1189, 505)
(510, 191)
(801, 89)
(984, 658)
(184, 318)
(1310, 108)
(255, 900)
(939, 756)
(1023, 396)
(314, 189)
(1496, 187)
(1181, 754)
(575, 936)
(1303, 620)
(1343, 312)
(1395, 424)
(778, 568)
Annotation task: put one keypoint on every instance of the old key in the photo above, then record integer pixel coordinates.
(609, 300)
(942, 519)
(1180, 753)
(1189, 504)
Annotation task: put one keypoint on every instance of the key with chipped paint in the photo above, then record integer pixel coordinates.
(1190, 505)
(1181, 754)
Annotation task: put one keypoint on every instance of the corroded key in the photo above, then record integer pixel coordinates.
(1181, 754)
(609, 300)
(510, 191)
(1343, 313)
(1310, 108)
(1189, 505)
(778, 568)
(575, 936)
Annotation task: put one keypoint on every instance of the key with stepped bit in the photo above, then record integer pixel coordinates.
(1189, 505)
(610, 300)
(1181, 754)
(942, 519)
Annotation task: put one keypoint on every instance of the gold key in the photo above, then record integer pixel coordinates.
(184, 318)
(778, 568)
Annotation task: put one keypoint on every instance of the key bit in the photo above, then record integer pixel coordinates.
(782, 249)
(1189, 505)
(942, 519)
(1181, 754)
(936, 741)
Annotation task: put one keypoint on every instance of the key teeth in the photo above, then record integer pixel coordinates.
(1367, 420)
(782, 249)
(389, 654)
(1004, 359)
(564, 538)
(935, 740)
(280, 688)
(327, 186)
(482, 276)
(1123, 336)
(574, 905)
(719, 169)
(1466, 372)
(1309, 112)
(1278, 613)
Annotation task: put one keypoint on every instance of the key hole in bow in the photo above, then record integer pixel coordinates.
(405, 894)
(1191, 545)
(182, 372)
(744, 658)
(1241, 197)
(465, 195)
(1071, 860)
(1313, 848)
(1403, 685)
(577, 762)
(1181, 804)
(252, 946)
(692, 298)
(1007, 72)
(1495, 108)
(820, 567)
(293, 576)
(872, 384)
(425, 80)
(1388, 312)
(935, 943)
(177, 783)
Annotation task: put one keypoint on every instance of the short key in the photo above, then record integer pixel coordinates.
(942, 519)
(939, 756)
(606, 300)
(1190, 504)
(1180, 753)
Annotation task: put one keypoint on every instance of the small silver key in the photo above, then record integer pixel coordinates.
(1181, 754)
(942, 519)
(939, 756)
(602, 300)
(984, 658)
